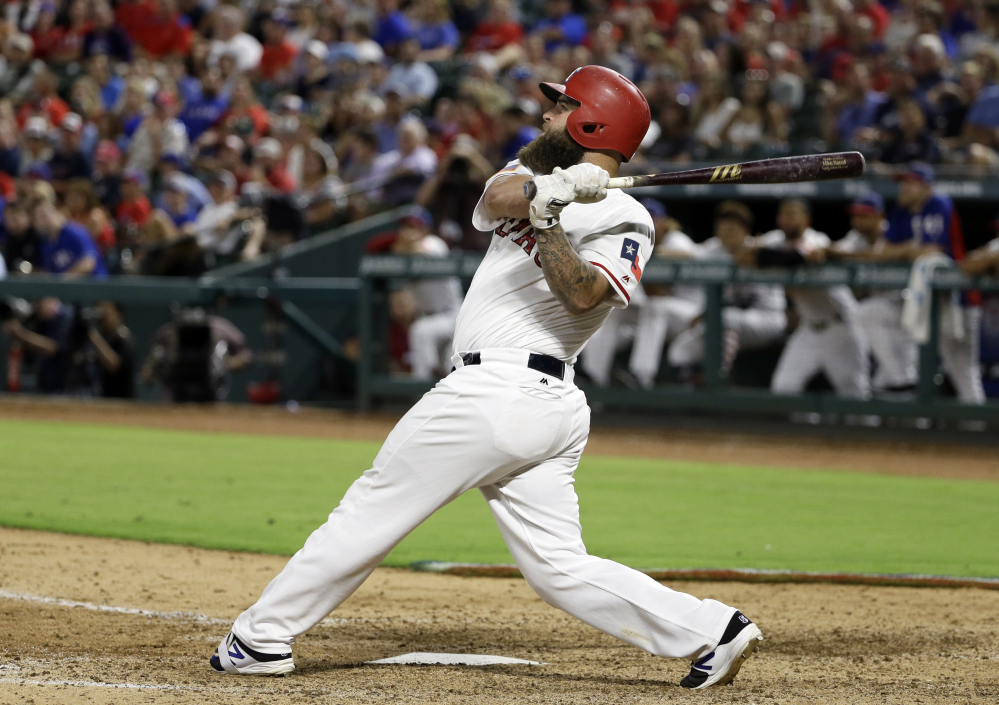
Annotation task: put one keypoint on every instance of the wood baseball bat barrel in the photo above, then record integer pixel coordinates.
(783, 170)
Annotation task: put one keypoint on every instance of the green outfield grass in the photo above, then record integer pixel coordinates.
(267, 494)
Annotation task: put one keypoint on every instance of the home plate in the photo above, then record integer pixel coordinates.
(424, 659)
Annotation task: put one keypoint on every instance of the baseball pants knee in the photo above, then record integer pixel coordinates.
(427, 337)
(895, 352)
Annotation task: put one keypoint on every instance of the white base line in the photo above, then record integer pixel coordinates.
(95, 684)
(41, 599)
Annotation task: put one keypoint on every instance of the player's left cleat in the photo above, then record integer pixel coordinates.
(720, 667)
(232, 656)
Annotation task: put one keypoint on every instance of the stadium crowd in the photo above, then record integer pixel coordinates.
(175, 135)
(168, 137)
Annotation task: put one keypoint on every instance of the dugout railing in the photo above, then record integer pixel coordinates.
(716, 394)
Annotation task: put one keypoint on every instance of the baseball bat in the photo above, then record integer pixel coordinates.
(783, 170)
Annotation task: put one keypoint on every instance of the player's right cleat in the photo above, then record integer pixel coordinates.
(232, 656)
(720, 667)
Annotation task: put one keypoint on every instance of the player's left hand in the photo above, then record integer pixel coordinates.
(589, 182)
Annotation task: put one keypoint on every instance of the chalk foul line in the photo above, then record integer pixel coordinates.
(94, 607)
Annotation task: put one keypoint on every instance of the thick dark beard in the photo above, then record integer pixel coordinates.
(554, 148)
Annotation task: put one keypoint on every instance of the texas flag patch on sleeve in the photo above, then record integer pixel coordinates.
(629, 251)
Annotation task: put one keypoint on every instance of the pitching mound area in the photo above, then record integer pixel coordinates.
(88, 620)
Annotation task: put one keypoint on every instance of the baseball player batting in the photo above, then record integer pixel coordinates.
(508, 420)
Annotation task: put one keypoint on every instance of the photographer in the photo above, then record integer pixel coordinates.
(49, 343)
(112, 345)
(193, 356)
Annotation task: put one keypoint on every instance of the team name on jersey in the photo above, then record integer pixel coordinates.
(521, 233)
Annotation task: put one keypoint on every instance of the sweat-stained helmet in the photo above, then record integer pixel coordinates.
(613, 113)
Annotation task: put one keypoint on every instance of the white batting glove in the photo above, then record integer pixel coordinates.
(589, 180)
(554, 193)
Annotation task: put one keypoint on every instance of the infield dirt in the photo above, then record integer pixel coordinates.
(824, 644)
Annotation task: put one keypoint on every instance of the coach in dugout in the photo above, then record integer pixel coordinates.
(925, 222)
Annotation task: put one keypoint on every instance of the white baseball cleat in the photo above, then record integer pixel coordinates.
(232, 656)
(720, 667)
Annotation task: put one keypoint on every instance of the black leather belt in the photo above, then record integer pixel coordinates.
(545, 364)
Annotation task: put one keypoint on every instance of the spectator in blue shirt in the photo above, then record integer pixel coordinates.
(861, 106)
(393, 26)
(66, 247)
(561, 27)
(176, 204)
(111, 86)
(437, 34)
(202, 113)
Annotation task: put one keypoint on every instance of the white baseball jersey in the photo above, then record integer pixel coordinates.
(436, 295)
(815, 305)
(509, 304)
(769, 297)
(676, 241)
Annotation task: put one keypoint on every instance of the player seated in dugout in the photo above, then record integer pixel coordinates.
(754, 316)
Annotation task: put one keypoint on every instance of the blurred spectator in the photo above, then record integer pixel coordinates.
(561, 27)
(433, 28)
(911, 140)
(403, 170)
(105, 37)
(159, 133)
(278, 52)
(497, 30)
(229, 39)
(411, 78)
(18, 241)
(83, 207)
(65, 247)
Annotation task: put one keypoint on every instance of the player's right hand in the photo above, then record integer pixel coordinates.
(554, 193)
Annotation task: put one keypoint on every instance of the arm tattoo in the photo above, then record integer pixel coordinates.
(570, 277)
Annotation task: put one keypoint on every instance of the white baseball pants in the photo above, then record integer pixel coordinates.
(892, 346)
(498, 427)
(960, 359)
(840, 350)
(597, 357)
(428, 337)
(660, 320)
(755, 328)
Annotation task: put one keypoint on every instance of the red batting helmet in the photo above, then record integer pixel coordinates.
(613, 113)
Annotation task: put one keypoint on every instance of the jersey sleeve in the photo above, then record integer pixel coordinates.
(620, 252)
(482, 220)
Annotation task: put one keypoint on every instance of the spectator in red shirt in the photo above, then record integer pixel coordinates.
(278, 56)
(246, 115)
(45, 33)
(70, 46)
(163, 31)
(268, 167)
(497, 30)
(134, 207)
(877, 14)
(43, 101)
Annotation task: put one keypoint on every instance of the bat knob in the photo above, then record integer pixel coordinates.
(530, 190)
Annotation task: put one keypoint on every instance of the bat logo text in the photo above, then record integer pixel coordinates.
(732, 172)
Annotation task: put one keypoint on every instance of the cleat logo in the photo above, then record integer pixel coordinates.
(742, 618)
(234, 651)
(701, 664)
